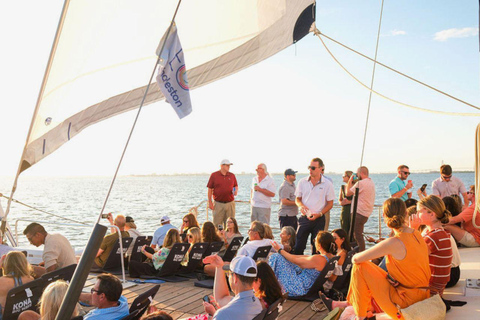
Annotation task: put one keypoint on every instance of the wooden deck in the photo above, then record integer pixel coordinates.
(183, 300)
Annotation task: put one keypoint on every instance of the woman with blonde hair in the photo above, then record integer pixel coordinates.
(50, 302)
(16, 271)
(193, 236)
(407, 264)
(136, 268)
(268, 232)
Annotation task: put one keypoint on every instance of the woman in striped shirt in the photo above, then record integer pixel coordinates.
(432, 213)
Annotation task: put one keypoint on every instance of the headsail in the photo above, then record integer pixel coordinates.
(104, 51)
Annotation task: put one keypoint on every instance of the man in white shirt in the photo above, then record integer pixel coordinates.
(261, 194)
(255, 240)
(314, 197)
(448, 185)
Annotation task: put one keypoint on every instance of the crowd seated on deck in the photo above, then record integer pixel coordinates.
(109, 240)
(57, 251)
(16, 271)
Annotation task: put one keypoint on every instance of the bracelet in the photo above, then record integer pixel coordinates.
(279, 251)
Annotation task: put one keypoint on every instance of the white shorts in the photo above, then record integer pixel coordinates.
(469, 240)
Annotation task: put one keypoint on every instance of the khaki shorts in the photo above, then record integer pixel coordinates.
(469, 240)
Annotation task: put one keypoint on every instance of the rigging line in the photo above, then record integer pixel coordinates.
(463, 114)
(371, 85)
(46, 212)
(318, 32)
(139, 110)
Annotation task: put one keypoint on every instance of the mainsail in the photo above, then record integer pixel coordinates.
(104, 51)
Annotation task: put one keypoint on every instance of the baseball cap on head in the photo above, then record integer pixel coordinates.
(290, 172)
(129, 219)
(242, 265)
(164, 219)
(225, 161)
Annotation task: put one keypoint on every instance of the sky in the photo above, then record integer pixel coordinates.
(284, 111)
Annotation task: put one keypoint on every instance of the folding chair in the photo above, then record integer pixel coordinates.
(261, 253)
(232, 249)
(65, 273)
(274, 309)
(143, 300)
(194, 260)
(342, 282)
(245, 241)
(171, 264)
(312, 293)
(213, 248)
(137, 254)
(114, 263)
(24, 297)
(132, 316)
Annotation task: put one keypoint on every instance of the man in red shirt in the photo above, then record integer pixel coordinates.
(222, 189)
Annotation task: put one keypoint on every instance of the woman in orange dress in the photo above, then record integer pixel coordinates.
(407, 264)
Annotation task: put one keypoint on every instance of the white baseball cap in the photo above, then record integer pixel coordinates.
(164, 219)
(225, 161)
(242, 265)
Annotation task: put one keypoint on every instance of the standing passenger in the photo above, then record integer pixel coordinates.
(314, 198)
(287, 214)
(398, 187)
(366, 201)
(345, 202)
(222, 189)
(261, 194)
(448, 185)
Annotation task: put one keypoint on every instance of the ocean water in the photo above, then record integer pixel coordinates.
(148, 198)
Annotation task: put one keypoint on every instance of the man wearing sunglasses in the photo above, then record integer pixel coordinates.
(399, 187)
(314, 198)
(106, 296)
(448, 185)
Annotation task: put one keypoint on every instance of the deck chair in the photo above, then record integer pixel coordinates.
(272, 312)
(114, 263)
(132, 316)
(194, 260)
(137, 254)
(232, 249)
(312, 293)
(171, 264)
(261, 253)
(245, 241)
(143, 300)
(65, 273)
(213, 248)
(24, 297)
(343, 281)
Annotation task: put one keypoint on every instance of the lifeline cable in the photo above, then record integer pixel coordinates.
(463, 114)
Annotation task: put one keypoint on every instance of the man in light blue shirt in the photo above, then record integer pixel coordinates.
(398, 187)
(106, 295)
(160, 233)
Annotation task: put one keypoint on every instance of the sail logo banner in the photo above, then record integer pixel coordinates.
(172, 75)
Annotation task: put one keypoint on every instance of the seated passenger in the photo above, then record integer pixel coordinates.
(209, 234)
(407, 263)
(296, 273)
(287, 237)
(131, 228)
(193, 236)
(231, 232)
(268, 232)
(109, 240)
(106, 296)
(57, 250)
(156, 259)
(343, 247)
(266, 286)
(431, 212)
(50, 303)
(256, 236)
(16, 271)
(160, 233)
(468, 235)
(189, 221)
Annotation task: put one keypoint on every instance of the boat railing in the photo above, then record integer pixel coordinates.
(378, 208)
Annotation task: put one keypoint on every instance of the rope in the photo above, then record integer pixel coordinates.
(139, 110)
(319, 34)
(371, 86)
(46, 212)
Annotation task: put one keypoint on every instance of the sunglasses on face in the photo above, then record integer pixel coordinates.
(190, 236)
(312, 168)
(406, 173)
(93, 290)
(447, 177)
(186, 221)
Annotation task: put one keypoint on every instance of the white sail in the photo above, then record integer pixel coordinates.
(104, 52)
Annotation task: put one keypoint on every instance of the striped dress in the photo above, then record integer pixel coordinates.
(440, 258)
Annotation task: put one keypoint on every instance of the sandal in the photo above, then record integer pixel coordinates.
(327, 302)
(318, 305)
